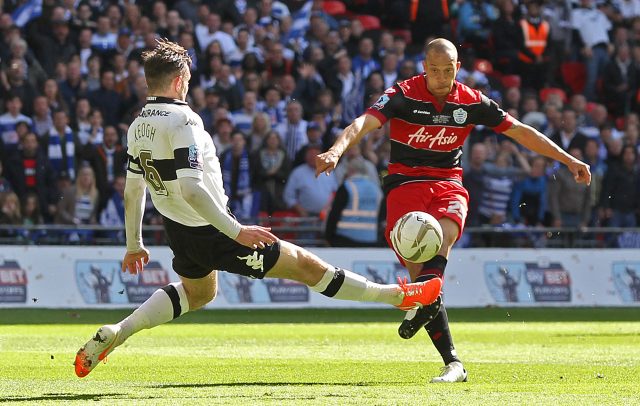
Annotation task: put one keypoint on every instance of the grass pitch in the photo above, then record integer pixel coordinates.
(326, 357)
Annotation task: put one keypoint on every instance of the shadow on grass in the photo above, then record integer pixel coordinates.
(324, 316)
(222, 384)
(61, 396)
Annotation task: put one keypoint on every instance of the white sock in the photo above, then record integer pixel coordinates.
(346, 285)
(163, 306)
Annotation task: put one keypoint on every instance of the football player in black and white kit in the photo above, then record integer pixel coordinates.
(171, 153)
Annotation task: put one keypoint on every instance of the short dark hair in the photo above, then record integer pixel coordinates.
(165, 61)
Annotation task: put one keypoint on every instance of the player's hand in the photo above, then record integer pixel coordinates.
(134, 262)
(580, 171)
(326, 162)
(255, 237)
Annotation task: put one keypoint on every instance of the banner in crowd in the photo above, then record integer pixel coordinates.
(91, 277)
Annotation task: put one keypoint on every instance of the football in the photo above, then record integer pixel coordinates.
(416, 237)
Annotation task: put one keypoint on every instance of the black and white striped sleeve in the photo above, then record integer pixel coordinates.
(134, 170)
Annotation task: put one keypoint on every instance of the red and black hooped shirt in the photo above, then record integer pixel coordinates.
(426, 136)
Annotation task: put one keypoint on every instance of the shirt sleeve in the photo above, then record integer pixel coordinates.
(188, 147)
(491, 115)
(387, 105)
(134, 170)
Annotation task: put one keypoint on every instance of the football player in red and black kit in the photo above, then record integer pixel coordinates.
(431, 115)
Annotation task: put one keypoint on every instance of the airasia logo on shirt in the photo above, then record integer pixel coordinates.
(439, 139)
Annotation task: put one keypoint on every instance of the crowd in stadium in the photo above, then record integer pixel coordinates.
(276, 82)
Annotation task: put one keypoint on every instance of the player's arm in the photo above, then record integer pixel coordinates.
(352, 135)
(374, 117)
(200, 199)
(534, 140)
(134, 201)
(188, 147)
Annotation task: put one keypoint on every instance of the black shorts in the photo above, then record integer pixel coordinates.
(200, 250)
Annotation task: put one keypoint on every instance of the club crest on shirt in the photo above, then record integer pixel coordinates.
(195, 157)
(384, 99)
(459, 116)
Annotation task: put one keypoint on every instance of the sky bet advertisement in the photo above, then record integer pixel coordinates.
(521, 282)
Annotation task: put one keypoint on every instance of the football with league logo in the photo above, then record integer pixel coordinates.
(416, 237)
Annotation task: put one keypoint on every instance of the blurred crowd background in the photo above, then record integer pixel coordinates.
(276, 81)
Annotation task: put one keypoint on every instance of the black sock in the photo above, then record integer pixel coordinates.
(438, 328)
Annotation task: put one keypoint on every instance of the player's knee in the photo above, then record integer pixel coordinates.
(200, 298)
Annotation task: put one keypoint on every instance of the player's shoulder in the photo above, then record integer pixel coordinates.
(411, 87)
(467, 95)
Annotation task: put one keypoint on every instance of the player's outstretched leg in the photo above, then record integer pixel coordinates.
(301, 265)
(164, 305)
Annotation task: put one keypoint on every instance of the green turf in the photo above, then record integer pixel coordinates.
(326, 357)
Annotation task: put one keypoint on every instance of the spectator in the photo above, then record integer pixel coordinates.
(390, 69)
(273, 105)
(106, 99)
(273, 169)
(568, 137)
(33, 72)
(79, 203)
(276, 65)
(86, 50)
(227, 86)
(506, 34)
(10, 119)
(29, 171)
(236, 176)
(16, 85)
(260, 127)
(73, 87)
(5, 185)
(57, 47)
(314, 136)
(498, 183)
(353, 219)
(59, 145)
(308, 86)
(10, 209)
(31, 213)
(42, 121)
(209, 73)
(620, 81)
(620, 197)
(113, 213)
(212, 103)
(598, 169)
(593, 31)
(569, 202)
(529, 196)
(294, 130)
(474, 181)
(243, 118)
(104, 39)
(364, 63)
(206, 34)
(355, 154)
(307, 195)
(474, 20)
(54, 98)
(82, 121)
(222, 135)
(108, 160)
(535, 46)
